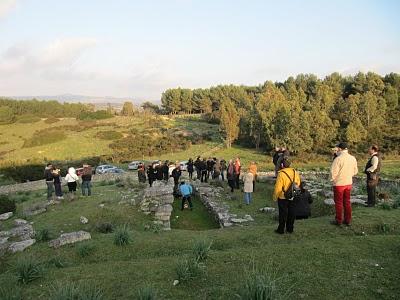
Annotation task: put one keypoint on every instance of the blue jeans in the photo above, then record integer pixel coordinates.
(86, 185)
(247, 197)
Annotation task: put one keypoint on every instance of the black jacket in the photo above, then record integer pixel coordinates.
(48, 175)
(303, 202)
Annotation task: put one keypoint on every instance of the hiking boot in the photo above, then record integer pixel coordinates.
(278, 232)
(334, 222)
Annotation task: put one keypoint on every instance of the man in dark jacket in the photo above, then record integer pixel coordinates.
(210, 167)
(48, 177)
(159, 172)
(197, 164)
(165, 170)
(372, 169)
(176, 174)
(303, 201)
(203, 170)
(151, 175)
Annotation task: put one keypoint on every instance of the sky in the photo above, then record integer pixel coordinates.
(138, 49)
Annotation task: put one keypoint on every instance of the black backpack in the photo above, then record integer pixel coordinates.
(294, 190)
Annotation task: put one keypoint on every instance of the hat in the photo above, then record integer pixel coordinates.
(342, 145)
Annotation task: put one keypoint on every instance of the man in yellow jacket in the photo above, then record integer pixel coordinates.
(286, 207)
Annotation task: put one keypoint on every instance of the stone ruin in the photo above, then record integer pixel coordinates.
(158, 200)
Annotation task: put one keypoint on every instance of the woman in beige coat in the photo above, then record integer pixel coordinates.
(247, 178)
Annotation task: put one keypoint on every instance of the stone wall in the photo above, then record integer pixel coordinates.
(158, 200)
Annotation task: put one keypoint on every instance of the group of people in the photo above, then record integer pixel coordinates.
(53, 178)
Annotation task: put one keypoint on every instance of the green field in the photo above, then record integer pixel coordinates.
(363, 260)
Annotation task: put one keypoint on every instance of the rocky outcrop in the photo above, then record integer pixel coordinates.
(157, 199)
(70, 238)
(21, 246)
(6, 216)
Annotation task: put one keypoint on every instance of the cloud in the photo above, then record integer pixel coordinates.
(6, 6)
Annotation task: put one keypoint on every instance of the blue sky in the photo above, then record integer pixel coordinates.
(138, 49)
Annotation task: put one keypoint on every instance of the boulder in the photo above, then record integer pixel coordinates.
(21, 246)
(70, 238)
(23, 230)
(6, 216)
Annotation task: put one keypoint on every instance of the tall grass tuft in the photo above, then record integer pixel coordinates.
(201, 249)
(58, 262)
(189, 269)
(43, 235)
(122, 236)
(84, 249)
(72, 291)
(28, 270)
(8, 292)
(146, 293)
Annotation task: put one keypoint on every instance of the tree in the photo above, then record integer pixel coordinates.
(6, 115)
(229, 122)
(150, 107)
(128, 109)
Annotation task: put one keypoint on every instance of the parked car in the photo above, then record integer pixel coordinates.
(104, 169)
(183, 165)
(134, 165)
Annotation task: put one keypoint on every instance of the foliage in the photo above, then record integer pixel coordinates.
(109, 135)
(128, 109)
(188, 269)
(7, 204)
(43, 235)
(229, 122)
(58, 262)
(201, 249)
(122, 236)
(9, 292)
(76, 291)
(95, 115)
(146, 293)
(28, 270)
(104, 227)
(84, 249)
(6, 115)
(44, 137)
(24, 119)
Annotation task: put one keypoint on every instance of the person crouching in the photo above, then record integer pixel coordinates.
(186, 192)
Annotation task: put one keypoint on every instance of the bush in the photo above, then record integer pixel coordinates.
(24, 119)
(122, 236)
(72, 291)
(201, 248)
(7, 204)
(85, 249)
(146, 293)
(188, 269)
(96, 115)
(28, 270)
(43, 235)
(44, 137)
(109, 135)
(105, 227)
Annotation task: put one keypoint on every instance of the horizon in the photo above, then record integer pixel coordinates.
(136, 50)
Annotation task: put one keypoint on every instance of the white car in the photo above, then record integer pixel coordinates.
(134, 165)
(104, 169)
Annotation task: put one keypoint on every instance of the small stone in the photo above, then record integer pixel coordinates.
(83, 220)
(6, 216)
(19, 222)
(21, 246)
(176, 282)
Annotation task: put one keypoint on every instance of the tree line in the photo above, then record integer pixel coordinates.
(304, 113)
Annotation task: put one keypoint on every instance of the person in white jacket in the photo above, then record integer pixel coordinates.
(343, 168)
(247, 178)
(71, 180)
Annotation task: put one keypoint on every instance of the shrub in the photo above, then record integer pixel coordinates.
(7, 204)
(72, 291)
(122, 236)
(259, 286)
(28, 270)
(43, 235)
(105, 227)
(201, 248)
(109, 135)
(85, 249)
(51, 120)
(44, 137)
(188, 269)
(146, 293)
(96, 115)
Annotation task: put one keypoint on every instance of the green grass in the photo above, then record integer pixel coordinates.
(314, 258)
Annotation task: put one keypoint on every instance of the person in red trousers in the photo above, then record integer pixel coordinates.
(343, 168)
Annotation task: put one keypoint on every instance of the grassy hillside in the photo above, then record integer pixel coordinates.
(312, 263)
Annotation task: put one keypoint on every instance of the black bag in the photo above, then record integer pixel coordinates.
(294, 190)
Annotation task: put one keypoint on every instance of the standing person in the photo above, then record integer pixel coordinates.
(223, 168)
(197, 164)
(165, 170)
(141, 173)
(190, 168)
(176, 174)
(217, 170)
(57, 183)
(286, 177)
(343, 168)
(71, 180)
(48, 177)
(275, 158)
(210, 167)
(372, 169)
(253, 170)
(186, 192)
(151, 175)
(203, 168)
(238, 168)
(231, 175)
(303, 201)
(87, 180)
(247, 178)
(159, 171)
